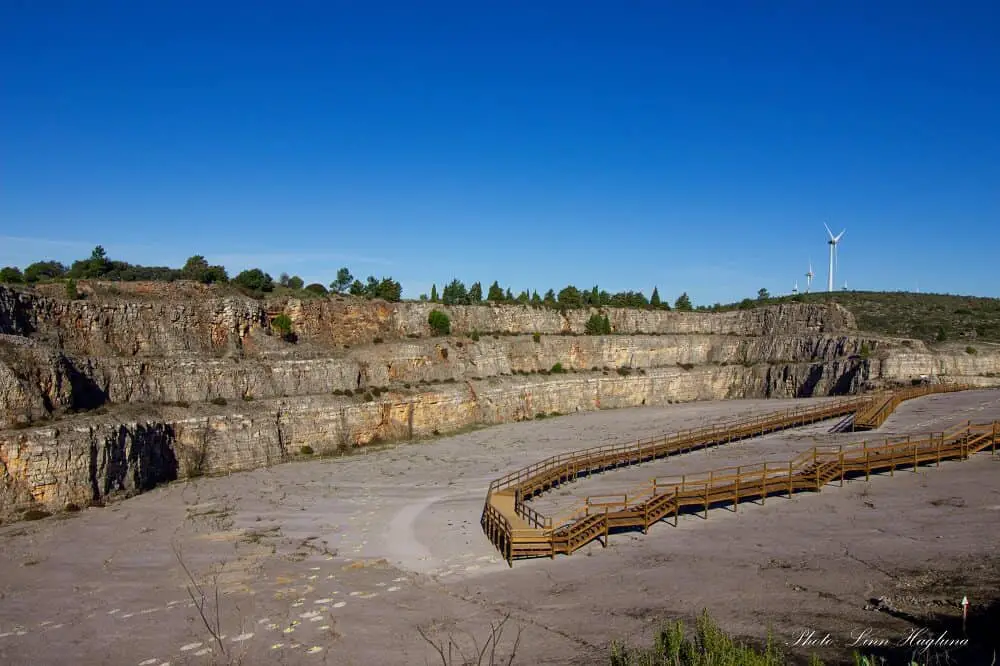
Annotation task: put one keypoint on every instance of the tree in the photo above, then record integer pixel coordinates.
(455, 293)
(95, 267)
(570, 297)
(434, 293)
(549, 298)
(43, 270)
(389, 290)
(357, 288)
(762, 294)
(595, 297)
(597, 325)
(508, 296)
(746, 304)
(71, 292)
(197, 268)
(475, 293)
(295, 282)
(495, 293)
(343, 281)
(11, 274)
(439, 322)
(654, 300)
(283, 279)
(535, 298)
(523, 298)
(254, 279)
(683, 303)
(316, 288)
(194, 268)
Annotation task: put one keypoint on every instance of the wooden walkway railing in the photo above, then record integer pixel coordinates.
(519, 531)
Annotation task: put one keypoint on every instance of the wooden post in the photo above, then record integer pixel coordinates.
(789, 479)
(736, 493)
(841, 465)
(707, 485)
(763, 484)
(868, 466)
(677, 506)
(607, 527)
(939, 445)
(995, 433)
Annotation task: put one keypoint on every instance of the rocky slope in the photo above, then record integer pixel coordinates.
(111, 395)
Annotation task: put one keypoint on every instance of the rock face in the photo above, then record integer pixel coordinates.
(109, 396)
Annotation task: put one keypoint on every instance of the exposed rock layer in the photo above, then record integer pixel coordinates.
(156, 366)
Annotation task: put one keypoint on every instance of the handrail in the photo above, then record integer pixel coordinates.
(682, 435)
(568, 528)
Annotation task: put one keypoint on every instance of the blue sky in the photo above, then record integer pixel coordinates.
(694, 146)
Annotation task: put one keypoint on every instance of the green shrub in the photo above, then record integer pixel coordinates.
(624, 372)
(317, 288)
(866, 351)
(219, 401)
(254, 280)
(71, 292)
(598, 325)
(557, 368)
(306, 450)
(970, 350)
(283, 325)
(475, 336)
(709, 646)
(537, 337)
(439, 322)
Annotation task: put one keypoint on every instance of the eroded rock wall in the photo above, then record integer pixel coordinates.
(103, 457)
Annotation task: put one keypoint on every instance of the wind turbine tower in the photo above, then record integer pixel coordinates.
(795, 289)
(809, 277)
(834, 240)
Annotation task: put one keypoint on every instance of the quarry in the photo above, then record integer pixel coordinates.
(181, 483)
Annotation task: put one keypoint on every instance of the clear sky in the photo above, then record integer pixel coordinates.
(697, 146)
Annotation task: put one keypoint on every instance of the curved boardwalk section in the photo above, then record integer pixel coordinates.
(519, 531)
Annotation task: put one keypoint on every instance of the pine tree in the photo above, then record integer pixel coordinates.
(654, 300)
(683, 303)
(434, 293)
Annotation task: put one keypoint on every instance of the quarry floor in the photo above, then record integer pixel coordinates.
(340, 560)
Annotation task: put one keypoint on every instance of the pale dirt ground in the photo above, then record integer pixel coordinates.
(338, 561)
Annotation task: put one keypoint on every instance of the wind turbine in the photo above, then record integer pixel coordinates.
(795, 289)
(833, 253)
(809, 277)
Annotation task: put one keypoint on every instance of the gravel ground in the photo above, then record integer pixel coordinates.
(340, 561)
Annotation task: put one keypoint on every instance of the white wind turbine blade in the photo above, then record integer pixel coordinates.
(828, 231)
(838, 237)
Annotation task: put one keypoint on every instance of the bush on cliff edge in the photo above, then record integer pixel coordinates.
(439, 322)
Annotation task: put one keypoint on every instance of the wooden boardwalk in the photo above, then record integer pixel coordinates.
(519, 531)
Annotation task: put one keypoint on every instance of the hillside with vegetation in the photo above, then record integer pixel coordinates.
(927, 317)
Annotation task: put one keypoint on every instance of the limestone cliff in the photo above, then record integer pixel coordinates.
(110, 395)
